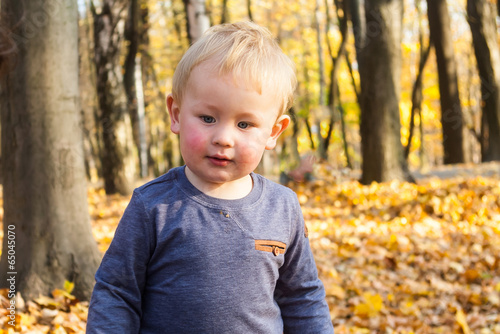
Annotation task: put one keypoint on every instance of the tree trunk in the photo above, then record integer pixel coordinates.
(344, 137)
(322, 112)
(45, 194)
(141, 119)
(380, 69)
(416, 93)
(482, 21)
(417, 96)
(225, 14)
(357, 17)
(249, 10)
(197, 20)
(294, 150)
(305, 93)
(88, 98)
(355, 87)
(118, 163)
(156, 162)
(321, 59)
(333, 89)
(451, 110)
(132, 80)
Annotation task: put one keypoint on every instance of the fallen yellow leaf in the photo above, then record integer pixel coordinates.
(373, 304)
(461, 319)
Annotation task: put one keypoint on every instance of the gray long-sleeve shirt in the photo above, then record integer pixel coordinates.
(184, 262)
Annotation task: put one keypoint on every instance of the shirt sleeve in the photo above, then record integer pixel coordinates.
(299, 292)
(115, 305)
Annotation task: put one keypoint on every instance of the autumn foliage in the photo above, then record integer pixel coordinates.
(394, 257)
(408, 258)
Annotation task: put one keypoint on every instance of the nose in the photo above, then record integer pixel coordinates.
(223, 136)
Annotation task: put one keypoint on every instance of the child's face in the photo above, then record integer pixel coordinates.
(224, 127)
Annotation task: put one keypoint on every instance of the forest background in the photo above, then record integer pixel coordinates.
(388, 91)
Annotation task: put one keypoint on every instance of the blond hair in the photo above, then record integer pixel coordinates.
(247, 51)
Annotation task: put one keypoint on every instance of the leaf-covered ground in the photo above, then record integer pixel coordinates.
(394, 258)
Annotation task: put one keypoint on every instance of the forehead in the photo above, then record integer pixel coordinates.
(207, 86)
(243, 77)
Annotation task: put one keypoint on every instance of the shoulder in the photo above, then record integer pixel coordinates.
(160, 189)
(277, 192)
(282, 202)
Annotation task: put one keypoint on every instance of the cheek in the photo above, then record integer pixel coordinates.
(194, 140)
(254, 148)
(258, 141)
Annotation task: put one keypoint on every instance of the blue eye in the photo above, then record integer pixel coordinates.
(208, 119)
(243, 125)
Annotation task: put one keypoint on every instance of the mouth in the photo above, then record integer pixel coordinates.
(219, 160)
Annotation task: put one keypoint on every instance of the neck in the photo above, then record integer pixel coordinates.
(229, 190)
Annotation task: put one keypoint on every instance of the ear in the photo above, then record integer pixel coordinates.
(173, 111)
(278, 128)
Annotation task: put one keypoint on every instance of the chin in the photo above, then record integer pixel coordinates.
(224, 179)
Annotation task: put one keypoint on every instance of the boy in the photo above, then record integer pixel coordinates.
(211, 247)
